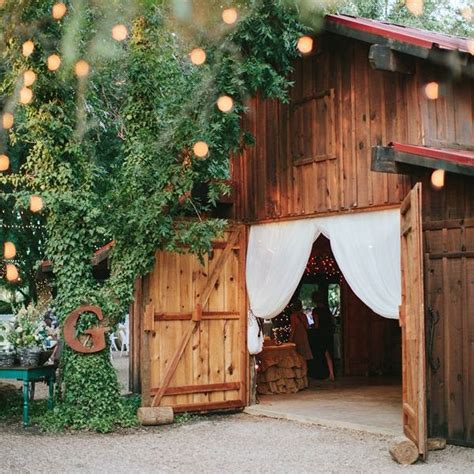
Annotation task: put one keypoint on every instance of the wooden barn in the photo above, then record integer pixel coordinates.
(360, 138)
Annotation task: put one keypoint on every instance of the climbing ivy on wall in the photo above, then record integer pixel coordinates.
(111, 154)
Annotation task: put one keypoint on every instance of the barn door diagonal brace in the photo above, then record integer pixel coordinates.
(196, 317)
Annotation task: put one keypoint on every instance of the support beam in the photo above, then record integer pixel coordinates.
(383, 58)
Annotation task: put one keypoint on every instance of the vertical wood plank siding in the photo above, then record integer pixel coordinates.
(370, 108)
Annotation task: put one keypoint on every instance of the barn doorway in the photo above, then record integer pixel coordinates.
(366, 354)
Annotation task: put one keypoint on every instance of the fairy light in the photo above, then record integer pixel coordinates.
(12, 272)
(7, 120)
(198, 56)
(201, 149)
(432, 90)
(415, 7)
(59, 10)
(119, 32)
(9, 250)
(28, 48)
(36, 203)
(29, 78)
(225, 103)
(324, 264)
(229, 16)
(305, 44)
(4, 163)
(437, 178)
(54, 61)
(26, 95)
(82, 68)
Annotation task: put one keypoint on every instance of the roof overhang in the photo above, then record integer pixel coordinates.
(400, 158)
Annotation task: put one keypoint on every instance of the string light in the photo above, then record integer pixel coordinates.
(305, 44)
(28, 48)
(59, 10)
(119, 32)
(29, 78)
(201, 149)
(4, 162)
(54, 61)
(432, 90)
(26, 95)
(82, 68)
(7, 120)
(12, 272)
(229, 16)
(437, 178)
(36, 203)
(415, 7)
(197, 56)
(225, 103)
(324, 264)
(9, 250)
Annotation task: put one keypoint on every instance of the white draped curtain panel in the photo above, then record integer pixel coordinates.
(366, 247)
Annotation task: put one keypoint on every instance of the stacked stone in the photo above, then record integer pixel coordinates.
(282, 373)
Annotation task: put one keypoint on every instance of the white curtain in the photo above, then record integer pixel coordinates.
(366, 247)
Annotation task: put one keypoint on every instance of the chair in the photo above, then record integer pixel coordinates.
(124, 340)
(113, 345)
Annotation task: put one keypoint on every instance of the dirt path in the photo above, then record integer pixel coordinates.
(231, 443)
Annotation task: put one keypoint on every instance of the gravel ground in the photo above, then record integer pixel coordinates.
(230, 443)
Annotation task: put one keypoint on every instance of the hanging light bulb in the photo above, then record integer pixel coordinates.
(36, 203)
(437, 178)
(59, 10)
(7, 120)
(432, 90)
(29, 78)
(4, 162)
(201, 149)
(198, 56)
(82, 68)
(415, 7)
(119, 32)
(229, 16)
(305, 44)
(54, 61)
(225, 103)
(28, 48)
(9, 250)
(12, 272)
(26, 95)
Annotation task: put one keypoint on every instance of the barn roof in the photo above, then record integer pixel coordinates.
(390, 158)
(402, 38)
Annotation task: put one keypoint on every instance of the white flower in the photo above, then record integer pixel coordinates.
(19, 329)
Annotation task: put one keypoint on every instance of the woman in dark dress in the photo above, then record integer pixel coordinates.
(322, 340)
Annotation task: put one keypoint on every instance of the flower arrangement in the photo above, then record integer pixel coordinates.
(25, 330)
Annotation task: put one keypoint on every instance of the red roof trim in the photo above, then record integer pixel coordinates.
(404, 34)
(460, 157)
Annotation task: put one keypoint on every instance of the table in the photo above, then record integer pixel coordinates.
(31, 374)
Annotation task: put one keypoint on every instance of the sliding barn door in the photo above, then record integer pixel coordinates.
(412, 322)
(195, 328)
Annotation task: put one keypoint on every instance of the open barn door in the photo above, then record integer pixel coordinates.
(195, 356)
(412, 322)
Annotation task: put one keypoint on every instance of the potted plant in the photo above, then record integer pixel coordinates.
(27, 334)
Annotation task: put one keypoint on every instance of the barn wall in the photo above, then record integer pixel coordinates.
(313, 155)
(448, 223)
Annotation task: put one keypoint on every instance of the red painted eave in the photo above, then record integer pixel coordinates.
(414, 36)
(459, 157)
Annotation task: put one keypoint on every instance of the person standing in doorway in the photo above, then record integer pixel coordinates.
(323, 338)
(299, 328)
